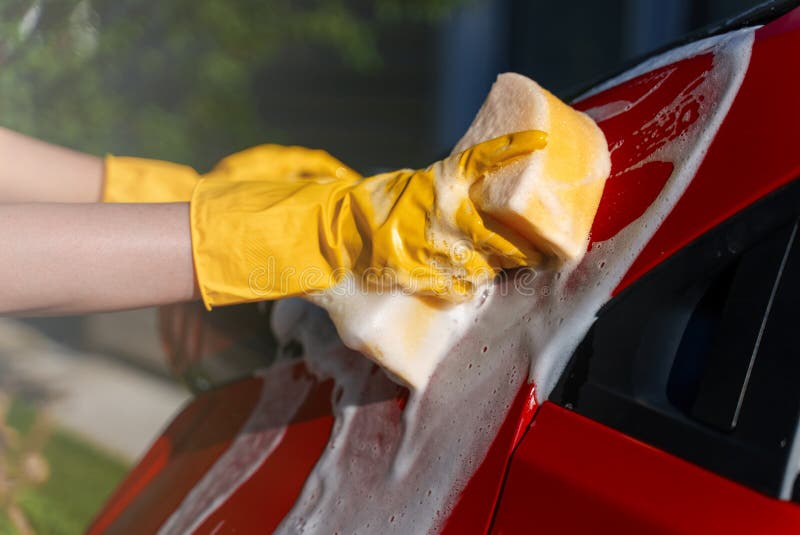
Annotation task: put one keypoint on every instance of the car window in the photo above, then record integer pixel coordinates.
(699, 357)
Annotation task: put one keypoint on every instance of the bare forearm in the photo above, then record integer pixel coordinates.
(77, 258)
(35, 171)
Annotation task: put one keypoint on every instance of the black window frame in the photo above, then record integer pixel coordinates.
(741, 419)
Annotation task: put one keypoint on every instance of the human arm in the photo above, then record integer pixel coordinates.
(73, 255)
(77, 258)
(36, 171)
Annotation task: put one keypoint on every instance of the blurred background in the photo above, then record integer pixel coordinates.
(378, 83)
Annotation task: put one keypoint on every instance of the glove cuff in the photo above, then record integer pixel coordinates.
(141, 180)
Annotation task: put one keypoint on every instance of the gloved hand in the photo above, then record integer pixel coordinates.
(278, 229)
(135, 180)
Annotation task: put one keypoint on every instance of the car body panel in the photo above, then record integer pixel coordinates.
(595, 476)
(753, 154)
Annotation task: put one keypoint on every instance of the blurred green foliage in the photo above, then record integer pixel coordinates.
(172, 79)
(81, 479)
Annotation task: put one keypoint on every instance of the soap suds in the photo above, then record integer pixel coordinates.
(394, 469)
(254, 443)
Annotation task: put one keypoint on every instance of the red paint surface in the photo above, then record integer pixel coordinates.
(265, 498)
(754, 152)
(568, 474)
(573, 475)
(635, 135)
(179, 458)
(473, 511)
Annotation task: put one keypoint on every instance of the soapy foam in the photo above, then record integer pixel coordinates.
(255, 442)
(366, 322)
(714, 96)
(392, 470)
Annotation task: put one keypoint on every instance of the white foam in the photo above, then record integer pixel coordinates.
(254, 443)
(387, 470)
(407, 336)
(715, 43)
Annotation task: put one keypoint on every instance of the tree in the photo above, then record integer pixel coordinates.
(171, 79)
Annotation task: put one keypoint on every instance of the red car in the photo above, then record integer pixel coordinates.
(654, 391)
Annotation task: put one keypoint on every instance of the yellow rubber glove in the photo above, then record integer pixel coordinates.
(271, 234)
(143, 180)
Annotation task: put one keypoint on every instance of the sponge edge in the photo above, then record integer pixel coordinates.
(551, 197)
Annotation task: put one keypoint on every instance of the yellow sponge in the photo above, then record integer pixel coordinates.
(551, 197)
